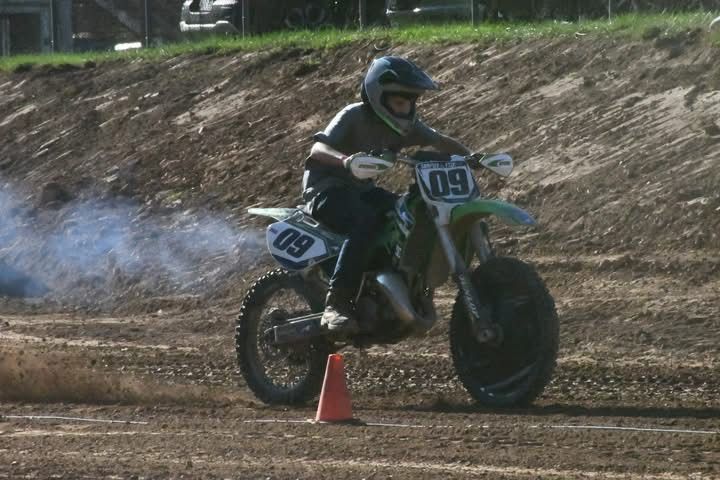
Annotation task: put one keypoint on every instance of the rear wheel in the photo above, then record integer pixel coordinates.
(288, 375)
(517, 369)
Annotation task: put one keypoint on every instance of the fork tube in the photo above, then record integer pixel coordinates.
(482, 326)
(479, 240)
(456, 262)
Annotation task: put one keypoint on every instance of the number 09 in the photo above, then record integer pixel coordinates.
(295, 243)
(448, 182)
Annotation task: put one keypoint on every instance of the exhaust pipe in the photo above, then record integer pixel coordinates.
(396, 292)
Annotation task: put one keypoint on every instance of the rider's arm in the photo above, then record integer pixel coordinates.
(326, 155)
(449, 145)
(426, 136)
(326, 151)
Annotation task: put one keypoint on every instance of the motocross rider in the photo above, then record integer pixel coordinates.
(385, 121)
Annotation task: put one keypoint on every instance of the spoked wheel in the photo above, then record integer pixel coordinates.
(515, 370)
(279, 374)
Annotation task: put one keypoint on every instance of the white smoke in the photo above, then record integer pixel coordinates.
(104, 245)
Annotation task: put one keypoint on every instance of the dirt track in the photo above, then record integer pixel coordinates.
(619, 367)
(617, 148)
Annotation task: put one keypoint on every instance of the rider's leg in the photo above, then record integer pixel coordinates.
(380, 199)
(345, 211)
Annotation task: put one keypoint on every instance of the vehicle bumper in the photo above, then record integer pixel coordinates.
(434, 14)
(219, 27)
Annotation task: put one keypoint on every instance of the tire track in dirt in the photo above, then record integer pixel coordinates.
(490, 469)
(345, 467)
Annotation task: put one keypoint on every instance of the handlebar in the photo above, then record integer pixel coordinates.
(406, 160)
(498, 163)
(473, 160)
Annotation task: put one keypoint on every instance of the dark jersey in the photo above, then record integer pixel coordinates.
(355, 129)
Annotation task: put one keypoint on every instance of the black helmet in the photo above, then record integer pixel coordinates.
(398, 76)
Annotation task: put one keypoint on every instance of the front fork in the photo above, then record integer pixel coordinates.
(481, 316)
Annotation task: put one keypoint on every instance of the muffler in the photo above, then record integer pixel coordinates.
(297, 330)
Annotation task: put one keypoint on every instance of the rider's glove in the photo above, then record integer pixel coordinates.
(364, 166)
(347, 161)
(474, 160)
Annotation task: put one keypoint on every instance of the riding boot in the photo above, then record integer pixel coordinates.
(338, 315)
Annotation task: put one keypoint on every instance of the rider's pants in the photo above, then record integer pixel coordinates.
(359, 214)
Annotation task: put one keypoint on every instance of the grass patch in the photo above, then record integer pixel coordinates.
(627, 26)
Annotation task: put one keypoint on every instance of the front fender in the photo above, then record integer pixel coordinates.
(481, 207)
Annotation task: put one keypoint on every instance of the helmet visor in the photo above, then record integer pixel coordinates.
(400, 104)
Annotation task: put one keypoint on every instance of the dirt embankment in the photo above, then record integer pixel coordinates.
(616, 143)
(123, 187)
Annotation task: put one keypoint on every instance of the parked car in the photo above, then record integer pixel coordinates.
(257, 16)
(400, 12)
(208, 16)
(405, 11)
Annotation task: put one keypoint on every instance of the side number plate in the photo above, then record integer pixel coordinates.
(294, 246)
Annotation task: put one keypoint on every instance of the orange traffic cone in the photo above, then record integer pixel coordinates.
(334, 403)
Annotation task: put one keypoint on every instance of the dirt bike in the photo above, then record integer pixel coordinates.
(503, 329)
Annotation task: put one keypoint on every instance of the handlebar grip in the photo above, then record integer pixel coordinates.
(474, 160)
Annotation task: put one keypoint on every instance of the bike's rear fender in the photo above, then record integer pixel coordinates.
(279, 214)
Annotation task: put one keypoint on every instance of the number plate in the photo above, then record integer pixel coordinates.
(293, 246)
(449, 182)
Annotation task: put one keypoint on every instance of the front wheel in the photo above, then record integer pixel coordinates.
(287, 375)
(514, 371)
